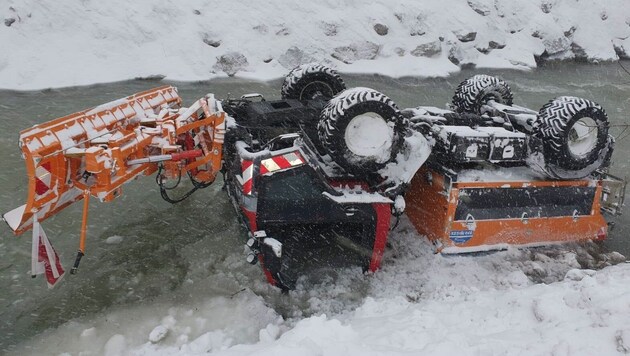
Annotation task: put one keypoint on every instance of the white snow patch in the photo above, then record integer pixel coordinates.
(113, 240)
(54, 44)
(418, 303)
(158, 334)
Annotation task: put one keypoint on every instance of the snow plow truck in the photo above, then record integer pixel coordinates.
(330, 166)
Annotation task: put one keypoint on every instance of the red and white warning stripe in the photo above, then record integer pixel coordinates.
(44, 258)
(268, 165)
(248, 174)
(284, 161)
(43, 179)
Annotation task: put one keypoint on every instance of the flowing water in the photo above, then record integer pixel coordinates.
(141, 248)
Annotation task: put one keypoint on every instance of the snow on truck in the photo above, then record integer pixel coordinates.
(329, 166)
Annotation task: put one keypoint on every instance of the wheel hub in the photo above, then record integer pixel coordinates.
(582, 137)
(369, 135)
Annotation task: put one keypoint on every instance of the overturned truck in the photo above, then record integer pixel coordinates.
(322, 172)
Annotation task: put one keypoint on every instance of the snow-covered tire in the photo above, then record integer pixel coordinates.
(312, 81)
(474, 92)
(362, 130)
(574, 134)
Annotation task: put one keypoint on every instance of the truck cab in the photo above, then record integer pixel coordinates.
(300, 211)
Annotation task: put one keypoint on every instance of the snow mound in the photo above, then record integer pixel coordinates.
(47, 43)
(534, 301)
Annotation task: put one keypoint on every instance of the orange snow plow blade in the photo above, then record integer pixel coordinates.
(466, 216)
(94, 152)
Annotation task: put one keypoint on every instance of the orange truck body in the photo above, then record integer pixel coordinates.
(434, 198)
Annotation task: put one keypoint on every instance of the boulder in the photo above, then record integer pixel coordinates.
(231, 63)
(356, 51)
(620, 48)
(481, 7)
(463, 56)
(293, 57)
(465, 36)
(381, 29)
(330, 29)
(429, 49)
(207, 39)
(554, 45)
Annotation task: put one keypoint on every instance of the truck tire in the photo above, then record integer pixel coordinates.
(474, 92)
(574, 134)
(362, 130)
(312, 81)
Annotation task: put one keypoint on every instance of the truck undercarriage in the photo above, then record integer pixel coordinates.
(318, 176)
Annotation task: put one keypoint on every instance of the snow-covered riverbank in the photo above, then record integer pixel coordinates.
(47, 43)
(530, 302)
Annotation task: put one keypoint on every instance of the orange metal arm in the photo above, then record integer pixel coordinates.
(87, 153)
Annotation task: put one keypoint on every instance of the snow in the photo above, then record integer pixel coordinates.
(47, 43)
(114, 240)
(493, 173)
(369, 135)
(559, 300)
(554, 300)
(414, 153)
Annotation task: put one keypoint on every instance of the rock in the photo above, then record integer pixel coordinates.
(603, 16)
(417, 25)
(615, 257)
(429, 49)
(399, 51)
(463, 57)
(381, 29)
(482, 49)
(356, 51)
(230, 63)
(89, 332)
(113, 240)
(330, 29)
(480, 7)
(465, 36)
(158, 334)
(9, 21)
(211, 42)
(417, 32)
(496, 45)
(283, 32)
(622, 339)
(262, 29)
(293, 57)
(196, 12)
(569, 32)
(546, 7)
(486, 48)
(267, 60)
(620, 50)
(556, 45)
(579, 274)
(578, 52)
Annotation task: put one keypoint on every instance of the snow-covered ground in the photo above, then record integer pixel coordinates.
(518, 302)
(49, 43)
(557, 301)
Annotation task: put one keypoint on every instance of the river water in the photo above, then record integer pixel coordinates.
(141, 248)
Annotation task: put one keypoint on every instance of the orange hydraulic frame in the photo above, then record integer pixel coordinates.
(94, 152)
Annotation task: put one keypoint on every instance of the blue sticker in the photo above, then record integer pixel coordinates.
(461, 236)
